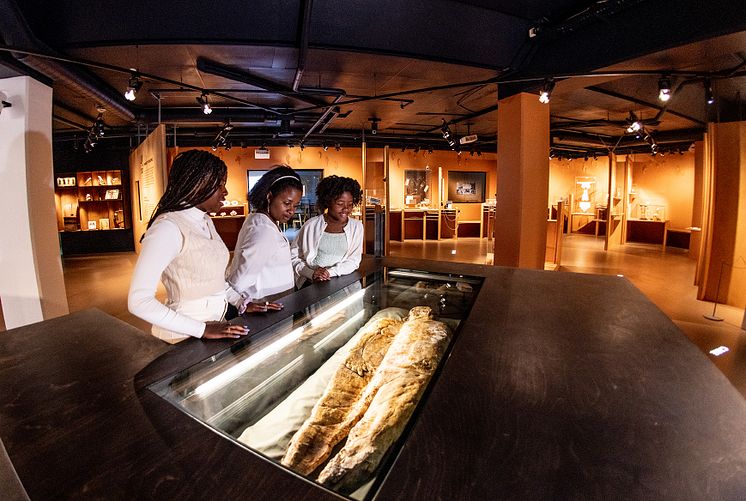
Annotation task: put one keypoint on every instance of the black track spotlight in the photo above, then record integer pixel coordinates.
(133, 86)
(204, 103)
(664, 89)
(634, 125)
(546, 91)
(374, 125)
(709, 96)
(325, 146)
(447, 135)
(338, 147)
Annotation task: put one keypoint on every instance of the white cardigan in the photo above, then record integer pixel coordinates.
(306, 244)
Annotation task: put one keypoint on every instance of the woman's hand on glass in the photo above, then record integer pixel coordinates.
(220, 330)
(259, 307)
(321, 275)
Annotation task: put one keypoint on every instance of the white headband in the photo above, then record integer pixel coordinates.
(284, 177)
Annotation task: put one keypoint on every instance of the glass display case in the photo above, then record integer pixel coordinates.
(330, 392)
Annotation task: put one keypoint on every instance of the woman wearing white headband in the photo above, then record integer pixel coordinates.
(261, 268)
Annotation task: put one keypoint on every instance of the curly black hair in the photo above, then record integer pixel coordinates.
(331, 188)
(194, 177)
(275, 181)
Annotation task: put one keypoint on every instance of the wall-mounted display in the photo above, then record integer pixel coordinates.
(416, 187)
(466, 187)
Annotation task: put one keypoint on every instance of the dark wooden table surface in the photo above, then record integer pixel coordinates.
(559, 386)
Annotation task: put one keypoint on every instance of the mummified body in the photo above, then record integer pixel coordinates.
(331, 418)
(389, 399)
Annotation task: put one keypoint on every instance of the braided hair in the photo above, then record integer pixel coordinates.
(331, 188)
(194, 177)
(279, 178)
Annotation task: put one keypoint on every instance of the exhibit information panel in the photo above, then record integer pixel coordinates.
(330, 393)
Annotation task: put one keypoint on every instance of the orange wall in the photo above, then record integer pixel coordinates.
(399, 161)
(347, 162)
(562, 174)
(667, 180)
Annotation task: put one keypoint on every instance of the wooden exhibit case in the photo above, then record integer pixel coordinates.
(93, 212)
(538, 398)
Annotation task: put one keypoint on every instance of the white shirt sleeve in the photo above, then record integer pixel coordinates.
(299, 251)
(251, 258)
(162, 243)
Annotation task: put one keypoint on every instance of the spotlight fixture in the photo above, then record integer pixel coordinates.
(709, 96)
(447, 135)
(664, 88)
(302, 146)
(222, 138)
(285, 128)
(204, 103)
(430, 149)
(403, 147)
(98, 126)
(4, 104)
(633, 123)
(95, 132)
(338, 147)
(546, 91)
(132, 87)
(325, 146)
(374, 125)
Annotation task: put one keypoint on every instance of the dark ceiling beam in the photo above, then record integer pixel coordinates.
(462, 118)
(16, 31)
(235, 74)
(304, 28)
(641, 102)
(70, 123)
(119, 69)
(382, 97)
(62, 106)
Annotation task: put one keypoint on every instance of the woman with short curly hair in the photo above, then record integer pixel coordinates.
(330, 244)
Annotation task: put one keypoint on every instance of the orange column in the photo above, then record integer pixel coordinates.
(522, 182)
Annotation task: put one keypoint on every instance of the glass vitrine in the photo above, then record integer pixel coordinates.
(261, 391)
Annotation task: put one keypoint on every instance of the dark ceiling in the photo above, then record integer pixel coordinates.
(328, 72)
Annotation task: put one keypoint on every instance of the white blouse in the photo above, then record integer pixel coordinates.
(261, 261)
(162, 244)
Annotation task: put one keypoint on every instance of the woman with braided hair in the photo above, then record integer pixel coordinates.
(330, 244)
(183, 250)
(261, 269)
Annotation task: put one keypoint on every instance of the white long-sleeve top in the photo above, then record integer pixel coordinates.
(306, 245)
(261, 261)
(184, 250)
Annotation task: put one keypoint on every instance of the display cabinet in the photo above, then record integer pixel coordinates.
(336, 377)
(91, 200)
(229, 220)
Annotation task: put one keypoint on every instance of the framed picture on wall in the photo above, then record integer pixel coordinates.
(466, 187)
(416, 186)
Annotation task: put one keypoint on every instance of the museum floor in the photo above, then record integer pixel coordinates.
(101, 281)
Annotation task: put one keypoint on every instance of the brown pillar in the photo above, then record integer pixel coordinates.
(724, 261)
(522, 182)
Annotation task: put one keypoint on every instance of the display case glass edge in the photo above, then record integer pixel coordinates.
(241, 391)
